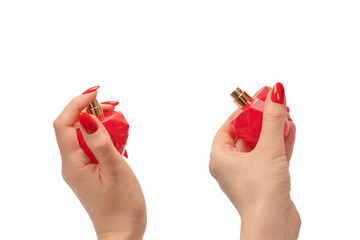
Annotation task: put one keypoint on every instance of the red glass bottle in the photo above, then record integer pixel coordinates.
(116, 125)
(247, 121)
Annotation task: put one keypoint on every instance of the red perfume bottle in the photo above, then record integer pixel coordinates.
(116, 125)
(248, 121)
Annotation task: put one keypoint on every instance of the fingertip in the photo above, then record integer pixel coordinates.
(107, 107)
(112, 103)
(88, 122)
(90, 95)
(91, 90)
(278, 93)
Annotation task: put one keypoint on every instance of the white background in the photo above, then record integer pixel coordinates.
(172, 66)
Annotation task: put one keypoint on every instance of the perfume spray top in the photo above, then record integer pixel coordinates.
(241, 98)
(95, 108)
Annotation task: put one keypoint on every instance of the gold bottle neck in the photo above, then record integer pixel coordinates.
(95, 108)
(241, 98)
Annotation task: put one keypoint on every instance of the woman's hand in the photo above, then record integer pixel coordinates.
(257, 179)
(109, 191)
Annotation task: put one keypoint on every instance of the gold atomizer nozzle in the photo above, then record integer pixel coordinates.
(241, 98)
(95, 108)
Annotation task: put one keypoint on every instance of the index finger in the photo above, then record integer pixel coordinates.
(71, 112)
(64, 124)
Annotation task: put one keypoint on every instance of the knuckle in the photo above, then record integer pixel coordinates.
(213, 165)
(212, 168)
(56, 123)
(102, 146)
(69, 176)
(217, 153)
(212, 156)
(66, 175)
(273, 116)
(217, 164)
(266, 150)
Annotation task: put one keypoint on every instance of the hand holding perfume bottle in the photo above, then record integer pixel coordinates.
(109, 190)
(247, 121)
(115, 124)
(256, 179)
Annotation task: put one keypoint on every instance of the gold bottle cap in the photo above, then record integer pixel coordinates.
(95, 108)
(241, 98)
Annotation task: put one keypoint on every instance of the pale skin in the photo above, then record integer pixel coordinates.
(109, 191)
(256, 179)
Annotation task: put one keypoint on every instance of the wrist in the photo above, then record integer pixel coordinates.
(263, 227)
(267, 222)
(120, 236)
(132, 228)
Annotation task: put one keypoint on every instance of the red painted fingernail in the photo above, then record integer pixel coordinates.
(288, 109)
(90, 90)
(114, 103)
(278, 93)
(88, 123)
(289, 118)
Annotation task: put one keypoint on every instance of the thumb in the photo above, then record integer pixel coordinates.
(98, 140)
(272, 131)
